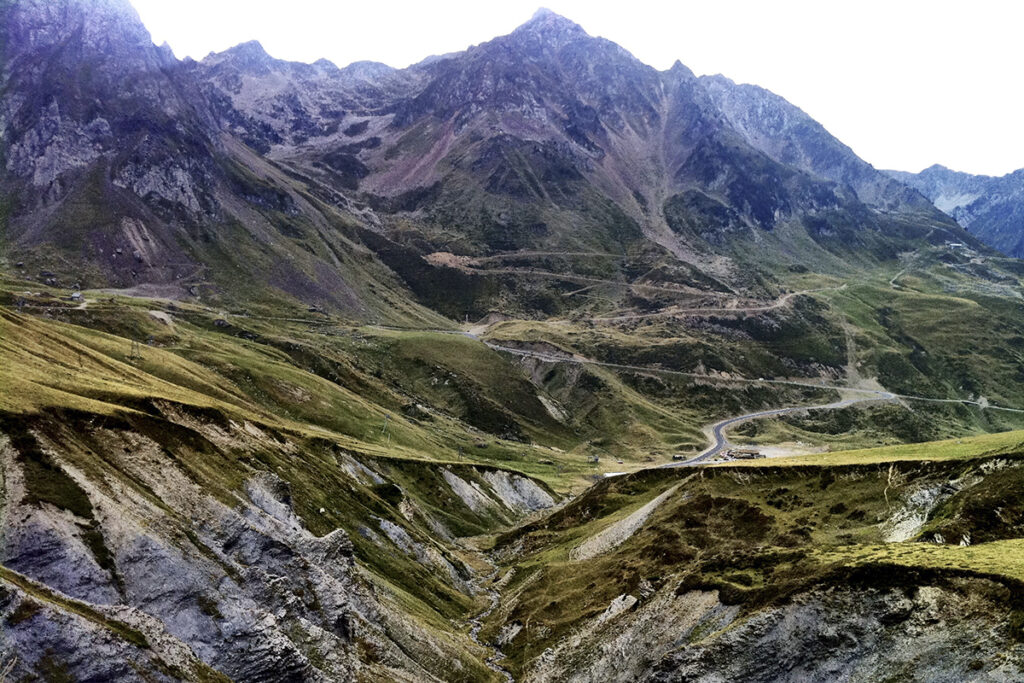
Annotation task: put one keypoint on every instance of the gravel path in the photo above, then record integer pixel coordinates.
(619, 532)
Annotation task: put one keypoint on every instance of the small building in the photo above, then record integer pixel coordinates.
(744, 453)
(76, 296)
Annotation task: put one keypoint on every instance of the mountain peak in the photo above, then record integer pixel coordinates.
(942, 173)
(368, 70)
(551, 27)
(251, 50)
(248, 56)
(680, 70)
(544, 14)
(107, 30)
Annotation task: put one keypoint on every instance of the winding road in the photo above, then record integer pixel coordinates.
(722, 442)
(781, 301)
(869, 394)
(717, 430)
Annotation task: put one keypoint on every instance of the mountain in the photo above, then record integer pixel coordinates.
(118, 174)
(320, 373)
(788, 135)
(990, 208)
(242, 174)
(549, 126)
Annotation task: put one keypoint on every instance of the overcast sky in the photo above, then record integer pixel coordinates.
(905, 83)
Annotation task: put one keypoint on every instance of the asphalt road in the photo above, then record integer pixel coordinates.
(722, 442)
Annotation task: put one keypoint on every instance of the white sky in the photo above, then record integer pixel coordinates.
(905, 83)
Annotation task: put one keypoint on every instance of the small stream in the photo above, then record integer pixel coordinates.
(494, 661)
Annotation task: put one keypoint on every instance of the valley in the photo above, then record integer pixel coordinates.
(312, 373)
(396, 415)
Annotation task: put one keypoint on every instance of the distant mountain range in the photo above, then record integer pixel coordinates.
(991, 208)
(246, 178)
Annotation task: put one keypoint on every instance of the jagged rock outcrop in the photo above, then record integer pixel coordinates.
(154, 567)
(269, 102)
(109, 142)
(233, 587)
(84, 84)
(926, 633)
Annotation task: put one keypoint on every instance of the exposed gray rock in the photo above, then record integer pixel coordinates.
(788, 135)
(619, 532)
(991, 208)
(474, 498)
(838, 634)
(517, 492)
(934, 634)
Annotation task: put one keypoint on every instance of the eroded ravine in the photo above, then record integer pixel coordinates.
(493, 661)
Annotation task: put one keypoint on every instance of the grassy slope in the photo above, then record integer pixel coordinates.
(81, 391)
(443, 396)
(323, 385)
(763, 531)
(402, 397)
(950, 449)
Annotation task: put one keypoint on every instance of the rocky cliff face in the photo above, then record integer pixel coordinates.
(549, 114)
(929, 633)
(269, 102)
(992, 209)
(135, 554)
(86, 85)
(116, 171)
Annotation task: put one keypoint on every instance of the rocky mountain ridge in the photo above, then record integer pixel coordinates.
(139, 169)
(990, 208)
(790, 136)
